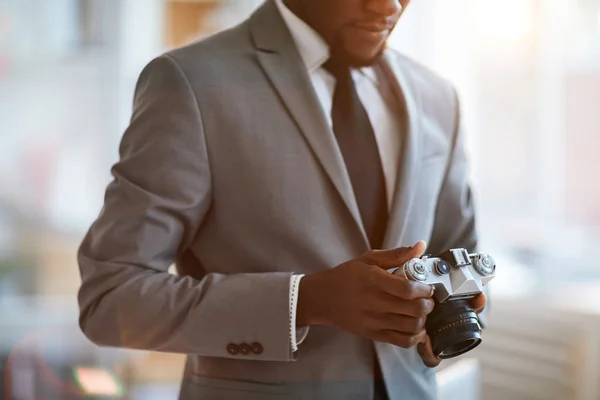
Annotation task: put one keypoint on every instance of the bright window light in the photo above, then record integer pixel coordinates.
(507, 19)
(95, 381)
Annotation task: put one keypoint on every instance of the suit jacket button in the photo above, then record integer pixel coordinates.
(233, 349)
(257, 348)
(245, 349)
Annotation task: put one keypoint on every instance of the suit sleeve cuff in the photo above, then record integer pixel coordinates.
(297, 334)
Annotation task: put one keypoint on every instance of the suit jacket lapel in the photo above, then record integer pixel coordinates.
(408, 99)
(285, 69)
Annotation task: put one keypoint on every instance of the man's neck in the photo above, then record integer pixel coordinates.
(298, 8)
(295, 7)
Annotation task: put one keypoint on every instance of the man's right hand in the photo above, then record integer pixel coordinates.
(361, 297)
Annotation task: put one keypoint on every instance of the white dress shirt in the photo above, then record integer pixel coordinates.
(377, 102)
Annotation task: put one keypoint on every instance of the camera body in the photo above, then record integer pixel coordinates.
(456, 277)
(454, 274)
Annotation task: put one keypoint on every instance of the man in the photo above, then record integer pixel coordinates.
(272, 163)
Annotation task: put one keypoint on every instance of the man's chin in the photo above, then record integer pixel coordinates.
(356, 60)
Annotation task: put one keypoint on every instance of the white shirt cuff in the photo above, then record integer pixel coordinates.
(297, 334)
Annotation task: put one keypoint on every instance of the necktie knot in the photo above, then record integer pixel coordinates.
(336, 67)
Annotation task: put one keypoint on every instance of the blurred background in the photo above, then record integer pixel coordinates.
(528, 72)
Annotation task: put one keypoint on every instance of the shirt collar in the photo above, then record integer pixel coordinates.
(314, 51)
(369, 73)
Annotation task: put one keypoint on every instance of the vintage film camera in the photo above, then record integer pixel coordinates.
(457, 277)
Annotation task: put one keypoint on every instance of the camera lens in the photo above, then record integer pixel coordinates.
(454, 329)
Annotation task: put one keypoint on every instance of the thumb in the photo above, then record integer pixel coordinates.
(387, 259)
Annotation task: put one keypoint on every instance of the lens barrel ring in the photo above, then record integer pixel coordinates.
(449, 312)
(454, 329)
(456, 326)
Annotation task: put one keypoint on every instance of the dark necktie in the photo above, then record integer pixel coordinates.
(357, 143)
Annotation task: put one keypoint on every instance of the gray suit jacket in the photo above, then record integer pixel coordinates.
(229, 169)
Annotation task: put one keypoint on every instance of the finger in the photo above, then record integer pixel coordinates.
(418, 308)
(478, 303)
(387, 259)
(401, 287)
(400, 339)
(425, 350)
(402, 323)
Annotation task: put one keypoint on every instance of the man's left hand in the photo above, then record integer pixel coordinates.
(426, 350)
